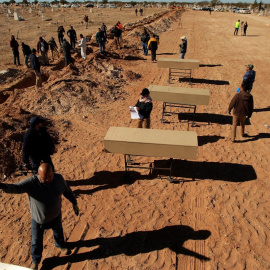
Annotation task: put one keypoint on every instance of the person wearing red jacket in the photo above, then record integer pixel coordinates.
(43, 47)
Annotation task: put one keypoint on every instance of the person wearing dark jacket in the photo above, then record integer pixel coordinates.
(44, 191)
(15, 49)
(43, 47)
(60, 32)
(144, 106)
(72, 36)
(53, 47)
(35, 65)
(242, 105)
(183, 47)
(37, 144)
(145, 38)
(66, 50)
(26, 52)
(249, 77)
(101, 39)
(153, 46)
(117, 33)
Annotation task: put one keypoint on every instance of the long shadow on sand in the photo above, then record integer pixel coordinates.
(172, 237)
(208, 139)
(201, 170)
(267, 109)
(213, 65)
(166, 53)
(108, 180)
(209, 118)
(194, 80)
(255, 138)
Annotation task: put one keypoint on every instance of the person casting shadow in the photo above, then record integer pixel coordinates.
(172, 237)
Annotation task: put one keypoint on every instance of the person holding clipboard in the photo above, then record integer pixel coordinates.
(143, 109)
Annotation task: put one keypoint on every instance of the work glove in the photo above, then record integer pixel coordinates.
(76, 209)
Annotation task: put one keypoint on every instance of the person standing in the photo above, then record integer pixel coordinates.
(15, 49)
(153, 46)
(35, 65)
(72, 36)
(44, 191)
(144, 106)
(249, 77)
(82, 44)
(86, 19)
(43, 47)
(101, 39)
(245, 28)
(145, 38)
(66, 50)
(183, 47)
(117, 33)
(37, 145)
(104, 29)
(53, 47)
(237, 25)
(242, 105)
(136, 11)
(60, 32)
(26, 52)
(120, 27)
(141, 11)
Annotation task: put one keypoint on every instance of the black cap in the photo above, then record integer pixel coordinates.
(145, 92)
(36, 120)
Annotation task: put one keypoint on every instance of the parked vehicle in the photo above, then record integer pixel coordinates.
(89, 5)
(55, 6)
(101, 6)
(112, 6)
(197, 8)
(75, 5)
(127, 6)
(244, 11)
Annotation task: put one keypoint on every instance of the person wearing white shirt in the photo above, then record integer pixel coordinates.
(82, 44)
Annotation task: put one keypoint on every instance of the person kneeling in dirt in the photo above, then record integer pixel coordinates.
(45, 191)
(153, 46)
(37, 145)
(101, 39)
(144, 106)
(66, 50)
(35, 65)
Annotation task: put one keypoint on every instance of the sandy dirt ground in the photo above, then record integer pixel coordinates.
(215, 215)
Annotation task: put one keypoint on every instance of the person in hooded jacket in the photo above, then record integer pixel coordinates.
(242, 105)
(144, 106)
(183, 47)
(37, 145)
(249, 77)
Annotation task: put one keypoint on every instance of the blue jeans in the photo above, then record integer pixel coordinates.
(37, 231)
(145, 51)
(101, 47)
(182, 55)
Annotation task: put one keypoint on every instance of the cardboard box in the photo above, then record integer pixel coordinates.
(152, 142)
(178, 63)
(179, 95)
